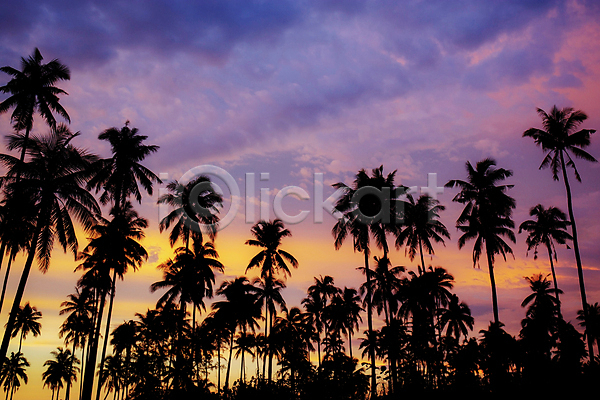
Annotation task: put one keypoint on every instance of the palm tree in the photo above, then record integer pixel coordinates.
(364, 215)
(318, 296)
(548, 227)
(187, 222)
(591, 324)
(271, 259)
(189, 276)
(456, 318)
(559, 139)
(113, 247)
(118, 176)
(487, 216)
(240, 309)
(77, 327)
(62, 368)
(420, 226)
(350, 310)
(54, 176)
(27, 322)
(12, 372)
(32, 89)
(124, 339)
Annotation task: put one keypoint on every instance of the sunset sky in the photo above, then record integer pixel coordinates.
(294, 88)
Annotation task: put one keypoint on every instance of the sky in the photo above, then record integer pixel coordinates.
(290, 89)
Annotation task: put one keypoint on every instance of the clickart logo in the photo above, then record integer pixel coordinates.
(366, 204)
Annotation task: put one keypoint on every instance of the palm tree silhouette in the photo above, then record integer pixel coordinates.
(124, 339)
(486, 217)
(187, 223)
(559, 139)
(13, 372)
(77, 327)
(318, 296)
(118, 176)
(113, 247)
(239, 309)
(361, 220)
(54, 176)
(27, 321)
(591, 324)
(549, 226)
(456, 318)
(32, 89)
(61, 368)
(420, 226)
(271, 260)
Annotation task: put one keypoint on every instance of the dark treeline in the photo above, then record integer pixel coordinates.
(418, 336)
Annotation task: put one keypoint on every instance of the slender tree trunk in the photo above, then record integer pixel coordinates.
(493, 284)
(219, 367)
(422, 258)
(370, 328)
(83, 364)
(229, 361)
(107, 330)
(5, 283)
(20, 290)
(553, 274)
(584, 303)
(90, 368)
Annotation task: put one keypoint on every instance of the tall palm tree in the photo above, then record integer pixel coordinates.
(114, 247)
(61, 368)
(190, 276)
(318, 296)
(487, 216)
(12, 372)
(361, 210)
(187, 223)
(420, 226)
(270, 260)
(456, 318)
(77, 327)
(118, 176)
(54, 176)
(32, 89)
(591, 324)
(27, 321)
(558, 139)
(549, 226)
(240, 309)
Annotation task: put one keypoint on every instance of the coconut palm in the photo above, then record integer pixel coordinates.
(270, 260)
(240, 309)
(549, 226)
(456, 318)
(591, 324)
(54, 176)
(190, 276)
(318, 296)
(366, 215)
(186, 220)
(487, 216)
(420, 226)
(32, 90)
(113, 248)
(61, 369)
(12, 372)
(77, 327)
(27, 321)
(118, 176)
(559, 139)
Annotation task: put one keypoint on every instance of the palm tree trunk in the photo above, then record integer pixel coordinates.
(107, 330)
(219, 366)
(422, 259)
(20, 290)
(6, 274)
(229, 361)
(88, 384)
(553, 274)
(584, 303)
(370, 327)
(493, 284)
(83, 364)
